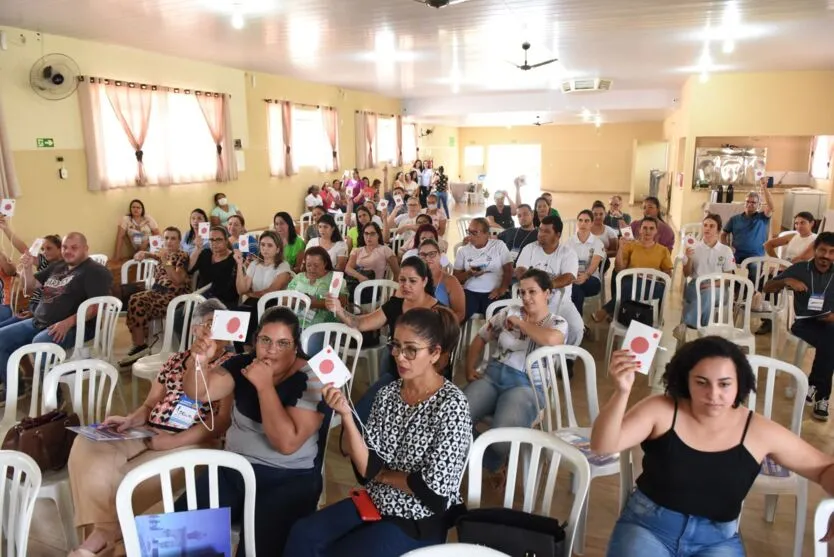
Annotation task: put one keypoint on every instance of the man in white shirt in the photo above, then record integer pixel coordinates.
(424, 176)
(562, 264)
(484, 267)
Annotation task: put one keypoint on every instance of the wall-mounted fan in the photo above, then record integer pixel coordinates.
(525, 46)
(538, 122)
(54, 77)
(440, 3)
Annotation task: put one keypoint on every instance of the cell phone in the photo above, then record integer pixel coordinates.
(365, 506)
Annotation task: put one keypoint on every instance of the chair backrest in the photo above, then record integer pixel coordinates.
(20, 481)
(398, 241)
(494, 231)
(45, 356)
(463, 226)
(546, 361)
(346, 341)
(694, 229)
(821, 517)
(542, 452)
(765, 268)
(773, 368)
(780, 251)
(491, 310)
(455, 250)
(631, 466)
(188, 461)
(381, 291)
(727, 290)
(298, 302)
(305, 221)
(186, 335)
(455, 550)
(143, 271)
(107, 316)
(568, 228)
(644, 284)
(100, 258)
(95, 374)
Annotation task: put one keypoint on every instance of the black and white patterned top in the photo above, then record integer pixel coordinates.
(429, 442)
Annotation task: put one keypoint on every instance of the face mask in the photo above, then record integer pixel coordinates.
(432, 205)
(222, 201)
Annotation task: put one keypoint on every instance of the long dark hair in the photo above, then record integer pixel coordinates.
(419, 233)
(656, 202)
(330, 221)
(192, 232)
(287, 218)
(422, 271)
(360, 241)
(279, 255)
(285, 316)
(129, 205)
(536, 220)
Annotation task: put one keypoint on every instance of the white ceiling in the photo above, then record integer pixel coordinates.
(450, 65)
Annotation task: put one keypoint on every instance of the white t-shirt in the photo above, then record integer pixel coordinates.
(709, 260)
(608, 235)
(338, 249)
(586, 251)
(313, 201)
(562, 260)
(797, 245)
(264, 275)
(492, 258)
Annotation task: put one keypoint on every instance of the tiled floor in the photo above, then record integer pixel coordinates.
(761, 539)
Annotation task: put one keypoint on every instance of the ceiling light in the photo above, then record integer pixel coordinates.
(704, 76)
(237, 20)
(728, 46)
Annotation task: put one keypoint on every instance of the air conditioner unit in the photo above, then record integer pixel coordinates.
(585, 85)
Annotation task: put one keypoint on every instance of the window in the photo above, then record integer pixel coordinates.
(409, 143)
(311, 147)
(473, 155)
(178, 146)
(821, 157)
(386, 140)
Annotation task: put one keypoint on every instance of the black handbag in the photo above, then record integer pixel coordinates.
(516, 533)
(631, 310)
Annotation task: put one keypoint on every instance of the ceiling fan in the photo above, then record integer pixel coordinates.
(525, 66)
(538, 122)
(440, 3)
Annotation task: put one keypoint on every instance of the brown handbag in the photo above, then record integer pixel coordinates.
(45, 438)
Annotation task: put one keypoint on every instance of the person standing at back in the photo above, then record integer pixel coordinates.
(501, 215)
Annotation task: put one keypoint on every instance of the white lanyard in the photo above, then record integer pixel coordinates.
(811, 272)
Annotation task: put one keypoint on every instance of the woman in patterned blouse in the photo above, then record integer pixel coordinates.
(170, 280)
(410, 459)
(96, 469)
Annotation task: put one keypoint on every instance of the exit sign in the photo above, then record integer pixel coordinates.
(46, 142)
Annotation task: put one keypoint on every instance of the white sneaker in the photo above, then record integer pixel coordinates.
(812, 394)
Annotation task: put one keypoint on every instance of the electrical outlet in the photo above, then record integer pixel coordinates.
(63, 174)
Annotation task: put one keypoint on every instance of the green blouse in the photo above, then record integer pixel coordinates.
(316, 290)
(291, 251)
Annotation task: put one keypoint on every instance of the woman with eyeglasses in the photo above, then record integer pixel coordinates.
(447, 290)
(216, 267)
(415, 291)
(278, 416)
(504, 390)
(363, 215)
(406, 225)
(97, 469)
(331, 240)
(371, 258)
(411, 458)
(591, 252)
(484, 266)
(428, 232)
(293, 244)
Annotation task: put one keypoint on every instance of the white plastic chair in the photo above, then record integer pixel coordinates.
(305, 221)
(147, 367)
(106, 318)
(188, 460)
(773, 486)
(824, 511)
(299, 303)
(781, 249)
(766, 268)
(494, 231)
(534, 443)
(455, 550)
(550, 360)
(463, 226)
(381, 291)
(45, 356)
(727, 289)
(100, 258)
(568, 228)
(398, 241)
(92, 408)
(144, 271)
(491, 310)
(643, 285)
(20, 482)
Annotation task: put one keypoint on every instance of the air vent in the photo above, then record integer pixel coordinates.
(585, 85)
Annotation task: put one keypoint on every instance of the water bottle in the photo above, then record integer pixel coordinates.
(730, 193)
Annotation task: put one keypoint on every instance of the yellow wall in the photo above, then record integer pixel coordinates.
(442, 148)
(575, 157)
(51, 205)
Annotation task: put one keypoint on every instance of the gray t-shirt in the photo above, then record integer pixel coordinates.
(823, 285)
(65, 289)
(246, 435)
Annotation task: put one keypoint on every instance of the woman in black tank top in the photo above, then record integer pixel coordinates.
(703, 451)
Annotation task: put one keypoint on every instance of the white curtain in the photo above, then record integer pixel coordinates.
(9, 186)
(90, 100)
(361, 142)
(275, 126)
(399, 127)
(370, 133)
(330, 122)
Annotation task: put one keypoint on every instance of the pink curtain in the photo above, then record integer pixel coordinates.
(399, 124)
(132, 106)
(9, 186)
(370, 135)
(89, 101)
(330, 121)
(286, 111)
(214, 109)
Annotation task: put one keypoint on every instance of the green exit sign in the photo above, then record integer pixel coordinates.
(46, 142)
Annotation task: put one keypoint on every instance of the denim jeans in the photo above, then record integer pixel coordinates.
(443, 201)
(478, 302)
(690, 308)
(5, 312)
(506, 394)
(24, 332)
(283, 497)
(337, 531)
(579, 292)
(646, 529)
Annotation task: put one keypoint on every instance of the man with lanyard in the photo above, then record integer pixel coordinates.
(519, 237)
(750, 230)
(811, 283)
(562, 264)
(615, 218)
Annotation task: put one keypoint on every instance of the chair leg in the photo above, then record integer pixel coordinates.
(579, 537)
(66, 511)
(134, 391)
(323, 496)
(770, 507)
(801, 510)
(609, 346)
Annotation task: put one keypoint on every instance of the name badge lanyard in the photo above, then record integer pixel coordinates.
(814, 295)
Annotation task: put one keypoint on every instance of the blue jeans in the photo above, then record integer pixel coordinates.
(337, 531)
(506, 394)
(478, 302)
(443, 201)
(690, 309)
(646, 529)
(24, 332)
(5, 312)
(579, 292)
(283, 497)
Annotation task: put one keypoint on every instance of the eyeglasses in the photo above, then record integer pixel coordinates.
(473, 232)
(370, 233)
(217, 240)
(409, 352)
(205, 325)
(280, 344)
(428, 254)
